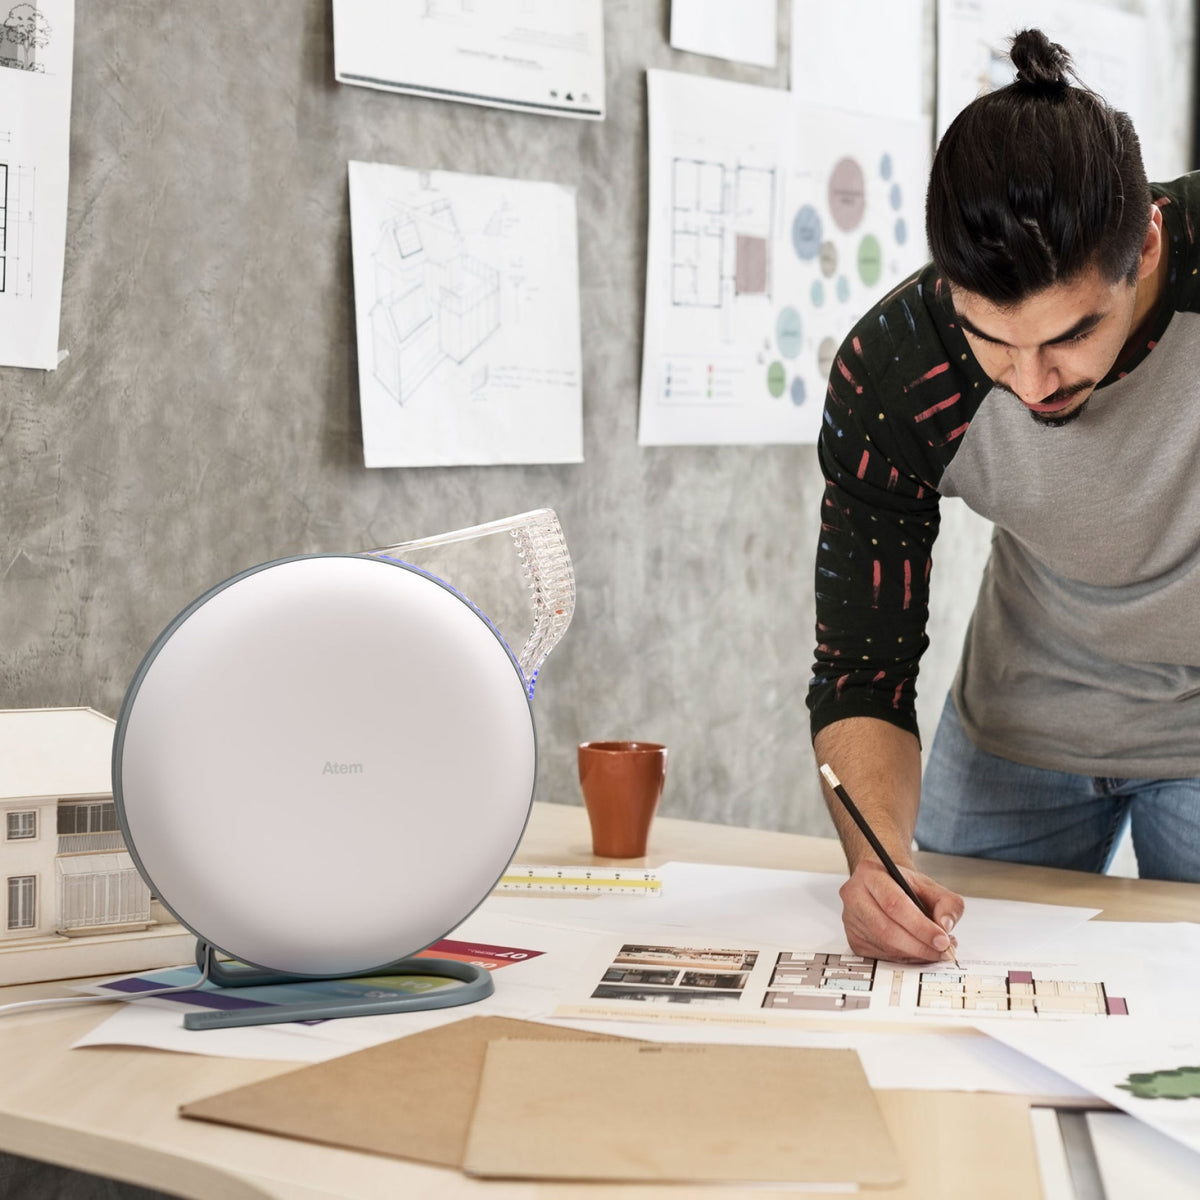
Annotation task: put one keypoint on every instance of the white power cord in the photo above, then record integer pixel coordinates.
(56, 1001)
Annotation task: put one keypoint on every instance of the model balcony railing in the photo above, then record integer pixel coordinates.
(90, 843)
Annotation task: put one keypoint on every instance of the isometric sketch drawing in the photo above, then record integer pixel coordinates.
(434, 301)
(25, 31)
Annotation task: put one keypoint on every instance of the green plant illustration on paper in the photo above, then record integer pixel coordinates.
(1183, 1083)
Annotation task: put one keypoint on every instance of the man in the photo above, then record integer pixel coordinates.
(1045, 367)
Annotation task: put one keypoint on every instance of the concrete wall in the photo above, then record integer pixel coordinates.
(207, 416)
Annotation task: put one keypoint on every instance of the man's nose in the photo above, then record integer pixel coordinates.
(1031, 377)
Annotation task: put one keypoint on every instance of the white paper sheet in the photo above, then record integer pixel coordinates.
(773, 227)
(930, 1060)
(542, 56)
(1109, 49)
(36, 54)
(1108, 1058)
(466, 295)
(865, 56)
(740, 30)
(797, 907)
(1137, 1162)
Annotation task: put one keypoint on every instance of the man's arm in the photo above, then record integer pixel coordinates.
(902, 392)
(880, 765)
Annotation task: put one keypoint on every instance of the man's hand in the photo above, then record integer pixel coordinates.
(882, 922)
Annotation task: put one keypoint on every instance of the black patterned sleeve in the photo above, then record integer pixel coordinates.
(879, 519)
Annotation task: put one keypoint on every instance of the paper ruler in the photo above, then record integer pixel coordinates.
(595, 881)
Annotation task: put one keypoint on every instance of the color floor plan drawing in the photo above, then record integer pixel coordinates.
(1015, 992)
(768, 983)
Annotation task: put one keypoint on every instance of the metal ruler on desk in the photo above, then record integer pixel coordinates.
(580, 881)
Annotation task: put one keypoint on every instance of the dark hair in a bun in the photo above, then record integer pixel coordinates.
(1042, 65)
(1036, 182)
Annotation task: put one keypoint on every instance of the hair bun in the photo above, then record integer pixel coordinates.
(1042, 65)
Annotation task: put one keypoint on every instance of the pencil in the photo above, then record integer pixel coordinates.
(876, 845)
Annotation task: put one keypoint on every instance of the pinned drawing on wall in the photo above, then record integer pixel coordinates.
(542, 56)
(467, 309)
(739, 30)
(774, 225)
(36, 51)
(1108, 47)
(865, 56)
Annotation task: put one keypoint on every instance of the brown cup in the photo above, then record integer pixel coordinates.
(621, 784)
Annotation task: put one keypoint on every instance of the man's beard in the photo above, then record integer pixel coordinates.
(1056, 420)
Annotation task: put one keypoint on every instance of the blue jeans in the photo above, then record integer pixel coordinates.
(982, 806)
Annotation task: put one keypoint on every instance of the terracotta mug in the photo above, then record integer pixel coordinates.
(621, 784)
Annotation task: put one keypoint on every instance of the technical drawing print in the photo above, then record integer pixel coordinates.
(773, 227)
(23, 32)
(466, 299)
(825, 982)
(434, 301)
(767, 984)
(722, 218)
(16, 229)
(1017, 992)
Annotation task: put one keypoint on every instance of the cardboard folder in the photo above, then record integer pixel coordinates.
(411, 1098)
(639, 1112)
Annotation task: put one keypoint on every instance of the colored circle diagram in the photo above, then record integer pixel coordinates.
(806, 233)
(788, 332)
(847, 194)
(870, 260)
(776, 379)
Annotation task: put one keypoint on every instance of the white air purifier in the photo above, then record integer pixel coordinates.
(325, 763)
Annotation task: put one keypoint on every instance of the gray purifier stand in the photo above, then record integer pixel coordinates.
(477, 983)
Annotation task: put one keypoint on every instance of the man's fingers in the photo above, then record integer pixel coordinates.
(881, 921)
(899, 909)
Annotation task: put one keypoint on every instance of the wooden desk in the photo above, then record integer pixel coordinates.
(113, 1111)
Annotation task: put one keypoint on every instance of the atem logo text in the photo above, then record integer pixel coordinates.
(332, 768)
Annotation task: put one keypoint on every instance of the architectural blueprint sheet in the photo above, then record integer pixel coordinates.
(543, 56)
(1108, 47)
(36, 53)
(866, 56)
(712, 980)
(773, 227)
(740, 30)
(466, 296)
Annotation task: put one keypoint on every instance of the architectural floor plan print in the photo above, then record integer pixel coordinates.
(767, 984)
(774, 226)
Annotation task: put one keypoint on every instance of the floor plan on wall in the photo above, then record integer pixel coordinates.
(773, 226)
(770, 983)
(467, 308)
(35, 108)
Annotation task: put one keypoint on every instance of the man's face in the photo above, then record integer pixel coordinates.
(1051, 349)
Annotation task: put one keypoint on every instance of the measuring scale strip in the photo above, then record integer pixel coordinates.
(581, 880)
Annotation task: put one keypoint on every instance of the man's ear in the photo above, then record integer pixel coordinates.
(1154, 245)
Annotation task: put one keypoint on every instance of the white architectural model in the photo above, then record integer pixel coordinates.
(69, 885)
